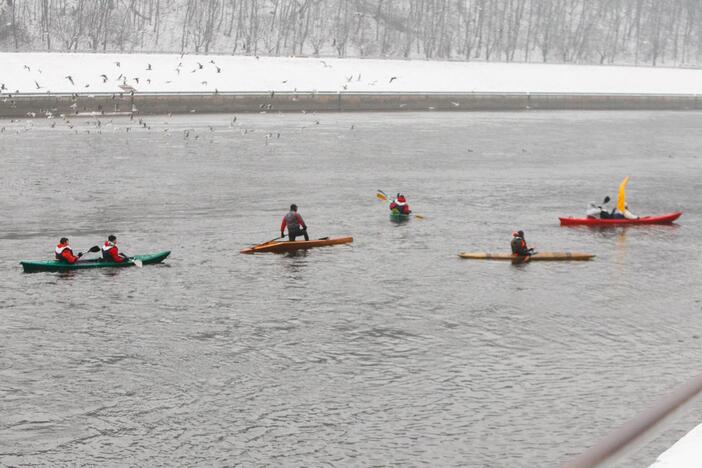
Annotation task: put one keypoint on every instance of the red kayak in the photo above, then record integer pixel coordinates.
(663, 219)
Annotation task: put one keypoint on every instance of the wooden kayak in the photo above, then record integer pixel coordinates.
(663, 219)
(540, 256)
(56, 265)
(287, 246)
(399, 217)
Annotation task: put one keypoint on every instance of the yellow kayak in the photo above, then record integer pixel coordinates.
(541, 256)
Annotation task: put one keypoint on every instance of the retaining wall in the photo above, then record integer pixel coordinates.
(38, 105)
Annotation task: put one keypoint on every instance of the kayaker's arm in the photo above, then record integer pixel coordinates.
(300, 221)
(282, 227)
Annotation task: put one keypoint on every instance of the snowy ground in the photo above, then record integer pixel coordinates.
(685, 453)
(94, 73)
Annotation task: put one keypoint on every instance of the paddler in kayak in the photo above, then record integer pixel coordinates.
(626, 214)
(596, 211)
(519, 245)
(295, 224)
(110, 252)
(399, 204)
(64, 252)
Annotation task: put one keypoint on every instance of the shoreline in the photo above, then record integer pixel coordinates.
(126, 104)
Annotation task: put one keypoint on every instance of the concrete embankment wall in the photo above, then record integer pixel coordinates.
(43, 105)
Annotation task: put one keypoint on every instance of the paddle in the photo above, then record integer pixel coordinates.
(384, 197)
(93, 249)
(268, 242)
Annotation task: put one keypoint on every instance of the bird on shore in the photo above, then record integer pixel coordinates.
(37, 84)
(70, 78)
(204, 83)
(326, 65)
(349, 78)
(148, 66)
(212, 62)
(392, 78)
(117, 63)
(199, 66)
(219, 70)
(27, 68)
(136, 79)
(3, 87)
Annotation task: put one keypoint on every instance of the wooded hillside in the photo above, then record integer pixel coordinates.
(651, 32)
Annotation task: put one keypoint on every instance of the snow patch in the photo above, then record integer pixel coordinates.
(40, 73)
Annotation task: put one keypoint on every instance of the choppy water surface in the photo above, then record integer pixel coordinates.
(391, 351)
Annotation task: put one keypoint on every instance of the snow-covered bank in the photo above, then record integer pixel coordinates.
(40, 73)
(685, 453)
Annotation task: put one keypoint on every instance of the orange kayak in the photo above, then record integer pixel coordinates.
(287, 246)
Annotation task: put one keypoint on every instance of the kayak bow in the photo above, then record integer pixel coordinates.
(288, 246)
(55, 265)
(663, 219)
(399, 217)
(541, 256)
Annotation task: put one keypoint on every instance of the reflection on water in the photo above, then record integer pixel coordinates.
(391, 350)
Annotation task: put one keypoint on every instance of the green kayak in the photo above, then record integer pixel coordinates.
(55, 265)
(399, 217)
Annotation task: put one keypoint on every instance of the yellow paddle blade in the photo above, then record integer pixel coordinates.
(418, 216)
(380, 196)
(621, 198)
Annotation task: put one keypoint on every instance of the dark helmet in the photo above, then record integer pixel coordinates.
(293, 207)
(111, 238)
(521, 233)
(63, 240)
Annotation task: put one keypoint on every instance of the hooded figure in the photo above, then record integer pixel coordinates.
(400, 204)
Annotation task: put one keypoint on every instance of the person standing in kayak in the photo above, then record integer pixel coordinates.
(110, 251)
(295, 224)
(400, 205)
(65, 253)
(519, 245)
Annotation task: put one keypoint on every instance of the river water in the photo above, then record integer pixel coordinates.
(388, 351)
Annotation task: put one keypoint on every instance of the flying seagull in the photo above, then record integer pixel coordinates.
(70, 78)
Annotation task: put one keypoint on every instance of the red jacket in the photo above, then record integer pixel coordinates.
(111, 252)
(64, 252)
(401, 207)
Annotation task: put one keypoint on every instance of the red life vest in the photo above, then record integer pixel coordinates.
(65, 253)
(110, 252)
(400, 204)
